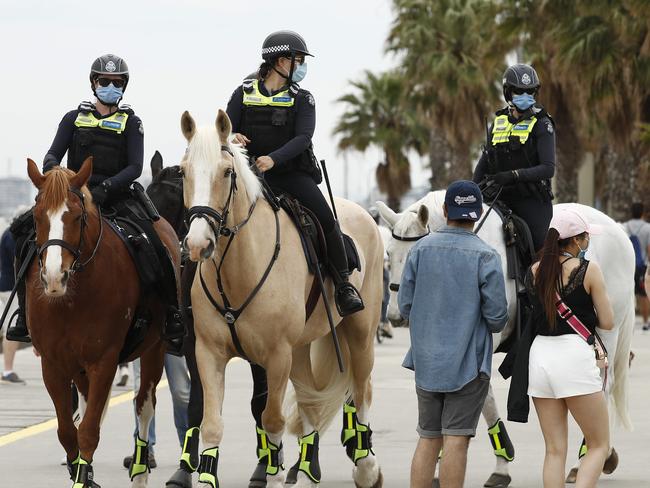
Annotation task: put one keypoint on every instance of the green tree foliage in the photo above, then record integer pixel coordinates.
(377, 114)
(593, 58)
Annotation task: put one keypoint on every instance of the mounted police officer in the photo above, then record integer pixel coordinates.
(275, 119)
(114, 136)
(519, 156)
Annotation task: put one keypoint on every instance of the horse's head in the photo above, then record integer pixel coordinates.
(407, 228)
(166, 193)
(214, 170)
(60, 217)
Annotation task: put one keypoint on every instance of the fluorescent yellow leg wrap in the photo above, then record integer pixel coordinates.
(363, 447)
(583, 449)
(191, 437)
(309, 456)
(349, 423)
(262, 446)
(140, 463)
(273, 455)
(208, 467)
(84, 473)
(501, 442)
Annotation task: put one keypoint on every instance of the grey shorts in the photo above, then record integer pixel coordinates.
(454, 413)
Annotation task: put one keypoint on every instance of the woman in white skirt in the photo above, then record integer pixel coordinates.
(563, 373)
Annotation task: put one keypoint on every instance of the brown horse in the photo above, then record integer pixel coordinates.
(82, 294)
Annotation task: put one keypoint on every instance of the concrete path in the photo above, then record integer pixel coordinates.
(30, 453)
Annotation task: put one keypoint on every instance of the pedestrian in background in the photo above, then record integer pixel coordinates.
(7, 280)
(453, 294)
(639, 231)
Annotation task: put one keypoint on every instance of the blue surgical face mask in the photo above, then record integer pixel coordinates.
(523, 102)
(299, 73)
(583, 252)
(109, 95)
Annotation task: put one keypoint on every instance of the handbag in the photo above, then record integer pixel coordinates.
(581, 329)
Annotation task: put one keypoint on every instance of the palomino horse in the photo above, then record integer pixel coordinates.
(82, 294)
(251, 256)
(612, 251)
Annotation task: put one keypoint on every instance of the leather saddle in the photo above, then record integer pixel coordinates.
(520, 254)
(312, 235)
(137, 238)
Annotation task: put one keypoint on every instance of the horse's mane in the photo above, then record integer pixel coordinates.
(206, 146)
(54, 191)
(251, 181)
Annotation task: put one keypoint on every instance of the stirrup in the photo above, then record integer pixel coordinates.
(11, 335)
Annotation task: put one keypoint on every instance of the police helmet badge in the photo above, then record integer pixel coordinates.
(110, 66)
(525, 79)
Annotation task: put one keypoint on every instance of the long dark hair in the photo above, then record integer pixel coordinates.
(549, 271)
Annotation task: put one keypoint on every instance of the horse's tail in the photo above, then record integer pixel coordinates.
(621, 385)
(332, 387)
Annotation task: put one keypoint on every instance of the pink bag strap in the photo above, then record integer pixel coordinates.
(574, 322)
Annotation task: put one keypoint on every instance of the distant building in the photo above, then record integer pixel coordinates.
(15, 192)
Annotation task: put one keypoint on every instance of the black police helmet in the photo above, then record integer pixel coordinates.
(519, 76)
(109, 64)
(283, 43)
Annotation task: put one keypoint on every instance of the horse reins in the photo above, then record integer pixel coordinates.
(76, 253)
(217, 222)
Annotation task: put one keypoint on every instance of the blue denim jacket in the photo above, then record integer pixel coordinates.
(453, 294)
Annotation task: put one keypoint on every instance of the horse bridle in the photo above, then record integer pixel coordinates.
(217, 222)
(76, 253)
(395, 286)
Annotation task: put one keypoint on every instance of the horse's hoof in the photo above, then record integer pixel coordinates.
(572, 476)
(180, 479)
(436, 483)
(611, 463)
(292, 474)
(497, 480)
(378, 484)
(258, 478)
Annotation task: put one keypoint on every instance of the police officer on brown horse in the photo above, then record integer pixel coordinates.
(114, 136)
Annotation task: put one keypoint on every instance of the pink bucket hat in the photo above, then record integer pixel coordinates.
(569, 222)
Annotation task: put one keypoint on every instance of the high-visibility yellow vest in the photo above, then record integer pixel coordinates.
(116, 122)
(502, 129)
(255, 98)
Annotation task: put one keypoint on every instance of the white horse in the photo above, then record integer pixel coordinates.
(611, 250)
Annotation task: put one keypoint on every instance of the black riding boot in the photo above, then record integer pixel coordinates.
(17, 331)
(347, 298)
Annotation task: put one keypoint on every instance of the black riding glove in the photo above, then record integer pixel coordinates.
(100, 193)
(504, 178)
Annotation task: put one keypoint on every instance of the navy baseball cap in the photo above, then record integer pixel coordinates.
(464, 201)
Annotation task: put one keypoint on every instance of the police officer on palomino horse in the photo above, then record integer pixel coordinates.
(275, 120)
(114, 136)
(519, 156)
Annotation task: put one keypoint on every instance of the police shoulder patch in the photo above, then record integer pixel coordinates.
(310, 99)
(549, 126)
(140, 127)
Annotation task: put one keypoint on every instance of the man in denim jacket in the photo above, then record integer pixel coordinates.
(453, 294)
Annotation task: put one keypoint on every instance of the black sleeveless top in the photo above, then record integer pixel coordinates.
(574, 296)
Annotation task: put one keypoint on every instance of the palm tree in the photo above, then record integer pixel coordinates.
(376, 114)
(452, 61)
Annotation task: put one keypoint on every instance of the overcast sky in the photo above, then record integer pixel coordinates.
(183, 55)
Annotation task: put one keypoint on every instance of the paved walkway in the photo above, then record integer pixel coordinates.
(33, 460)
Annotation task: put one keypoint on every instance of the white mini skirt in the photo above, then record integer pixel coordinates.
(562, 366)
